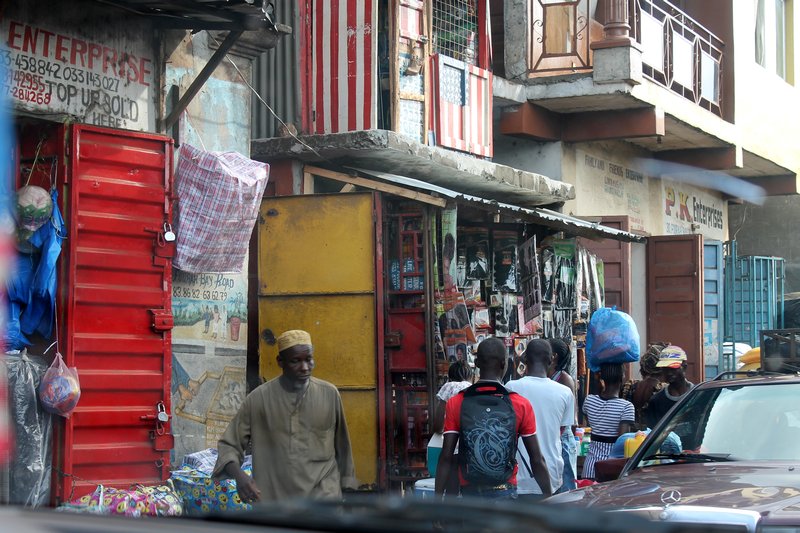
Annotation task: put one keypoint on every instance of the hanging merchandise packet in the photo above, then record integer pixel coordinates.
(612, 338)
(219, 195)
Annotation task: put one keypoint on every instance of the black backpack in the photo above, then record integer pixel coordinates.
(488, 439)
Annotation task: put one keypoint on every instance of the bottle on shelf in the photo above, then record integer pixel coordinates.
(586, 441)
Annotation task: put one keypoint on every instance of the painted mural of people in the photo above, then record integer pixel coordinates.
(215, 320)
(206, 318)
(223, 322)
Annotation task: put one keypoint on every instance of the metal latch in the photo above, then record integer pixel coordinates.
(164, 244)
(393, 339)
(162, 320)
(162, 440)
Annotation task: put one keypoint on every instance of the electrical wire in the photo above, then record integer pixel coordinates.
(269, 108)
(196, 131)
(35, 160)
(741, 225)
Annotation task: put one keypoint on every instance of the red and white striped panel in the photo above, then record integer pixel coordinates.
(344, 65)
(463, 106)
(411, 13)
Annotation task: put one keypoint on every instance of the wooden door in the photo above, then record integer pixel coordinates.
(675, 296)
(616, 257)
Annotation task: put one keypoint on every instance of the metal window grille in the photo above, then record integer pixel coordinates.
(455, 29)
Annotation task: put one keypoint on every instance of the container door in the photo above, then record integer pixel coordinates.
(117, 313)
(616, 256)
(316, 271)
(713, 317)
(675, 296)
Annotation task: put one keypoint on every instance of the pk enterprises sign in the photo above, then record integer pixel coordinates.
(686, 206)
(106, 82)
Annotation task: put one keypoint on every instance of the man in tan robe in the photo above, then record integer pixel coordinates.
(300, 443)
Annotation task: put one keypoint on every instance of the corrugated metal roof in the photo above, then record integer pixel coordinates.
(387, 151)
(276, 77)
(537, 215)
(200, 14)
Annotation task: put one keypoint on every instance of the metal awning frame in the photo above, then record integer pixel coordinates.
(197, 15)
(201, 79)
(234, 16)
(405, 187)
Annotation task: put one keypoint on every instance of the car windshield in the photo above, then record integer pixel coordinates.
(732, 423)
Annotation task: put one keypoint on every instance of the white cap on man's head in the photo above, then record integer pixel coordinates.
(671, 357)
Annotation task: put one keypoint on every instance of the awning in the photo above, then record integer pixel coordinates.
(534, 215)
(240, 15)
(241, 27)
(387, 151)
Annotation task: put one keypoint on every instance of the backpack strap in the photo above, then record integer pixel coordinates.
(527, 466)
(486, 387)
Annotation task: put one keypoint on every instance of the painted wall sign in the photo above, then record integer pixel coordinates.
(210, 307)
(689, 209)
(606, 187)
(50, 67)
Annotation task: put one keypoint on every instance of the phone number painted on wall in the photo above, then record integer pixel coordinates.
(58, 73)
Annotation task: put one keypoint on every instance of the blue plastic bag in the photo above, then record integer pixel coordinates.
(612, 338)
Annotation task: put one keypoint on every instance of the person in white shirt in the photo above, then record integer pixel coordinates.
(554, 408)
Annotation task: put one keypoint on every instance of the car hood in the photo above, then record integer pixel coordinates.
(766, 488)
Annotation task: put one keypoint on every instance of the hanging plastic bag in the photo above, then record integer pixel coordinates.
(30, 471)
(60, 389)
(612, 338)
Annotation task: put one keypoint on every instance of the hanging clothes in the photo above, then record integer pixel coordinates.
(32, 288)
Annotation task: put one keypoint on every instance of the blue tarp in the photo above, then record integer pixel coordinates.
(32, 286)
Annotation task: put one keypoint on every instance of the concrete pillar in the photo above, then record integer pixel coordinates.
(517, 24)
(617, 57)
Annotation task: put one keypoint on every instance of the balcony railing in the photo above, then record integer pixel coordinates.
(677, 51)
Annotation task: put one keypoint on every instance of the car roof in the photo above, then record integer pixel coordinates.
(749, 379)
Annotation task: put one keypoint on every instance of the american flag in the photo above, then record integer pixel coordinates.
(463, 117)
(344, 65)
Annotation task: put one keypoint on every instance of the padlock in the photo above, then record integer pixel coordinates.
(162, 413)
(169, 236)
(165, 442)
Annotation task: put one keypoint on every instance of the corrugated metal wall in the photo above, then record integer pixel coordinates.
(276, 77)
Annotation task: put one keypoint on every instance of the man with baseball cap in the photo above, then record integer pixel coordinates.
(672, 362)
(295, 425)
